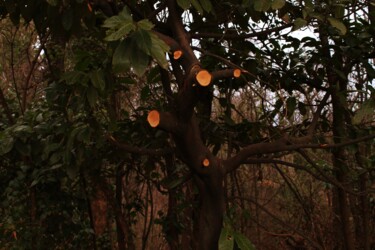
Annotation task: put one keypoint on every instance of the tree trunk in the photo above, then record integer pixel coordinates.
(172, 230)
(211, 211)
(209, 176)
(341, 204)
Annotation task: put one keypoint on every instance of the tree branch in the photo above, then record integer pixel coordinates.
(137, 150)
(283, 144)
(241, 36)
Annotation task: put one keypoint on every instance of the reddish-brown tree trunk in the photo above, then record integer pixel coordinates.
(172, 230)
(342, 221)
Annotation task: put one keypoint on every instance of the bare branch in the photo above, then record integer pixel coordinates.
(137, 150)
(283, 144)
(241, 36)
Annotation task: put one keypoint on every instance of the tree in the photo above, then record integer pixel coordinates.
(309, 94)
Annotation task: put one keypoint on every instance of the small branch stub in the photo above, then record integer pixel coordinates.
(206, 163)
(237, 73)
(153, 118)
(203, 78)
(177, 54)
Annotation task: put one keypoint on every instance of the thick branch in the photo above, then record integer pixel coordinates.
(284, 144)
(164, 120)
(180, 34)
(226, 73)
(241, 36)
(136, 150)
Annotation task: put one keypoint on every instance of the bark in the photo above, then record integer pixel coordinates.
(120, 232)
(341, 169)
(209, 181)
(172, 231)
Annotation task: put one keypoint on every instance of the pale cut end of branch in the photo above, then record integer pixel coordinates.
(237, 73)
(153, 118)
(177, 54)
(203, 78)
(206, 163)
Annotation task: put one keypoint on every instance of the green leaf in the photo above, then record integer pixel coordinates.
(114, 35)
(92, 96)
(299, 23)
(143, 40)
(158, 50)
(145, 24)
(115, 22)
(34, 182)
(365, 113)
(339, 11)
(121, 57)
(185, 4)
(197, 6)
(6, 144)
(337, 24)
(97, 79)
(206, 5)
(119, 26)
(139, 61)
(277, 4)
(262, 5)
(243, 242)
(23, 129)
(226, 240)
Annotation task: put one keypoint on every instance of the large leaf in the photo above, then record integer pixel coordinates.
(6, 144)
(365, 113)
(117, 34)
(206, 5)
(139, 60)
(158, 50)
(145, 24)
(92, 96)
(185, 4)
(337, 24)
(97, 79)
(243, 242)
(197, 6)
(143, 40)
(277, 4)
(226, 240)
(121, 57)
(119, 26)
(115, 22)
(262, 5)
(299, 23)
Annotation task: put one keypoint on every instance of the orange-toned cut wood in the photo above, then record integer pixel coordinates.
(206, 163)
(237, 73)
(177, 54)
(153, 118)
(203, 78)
(89, 7)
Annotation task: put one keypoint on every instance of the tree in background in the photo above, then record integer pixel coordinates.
(107, 106)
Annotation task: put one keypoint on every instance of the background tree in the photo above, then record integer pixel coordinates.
(139, 115)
